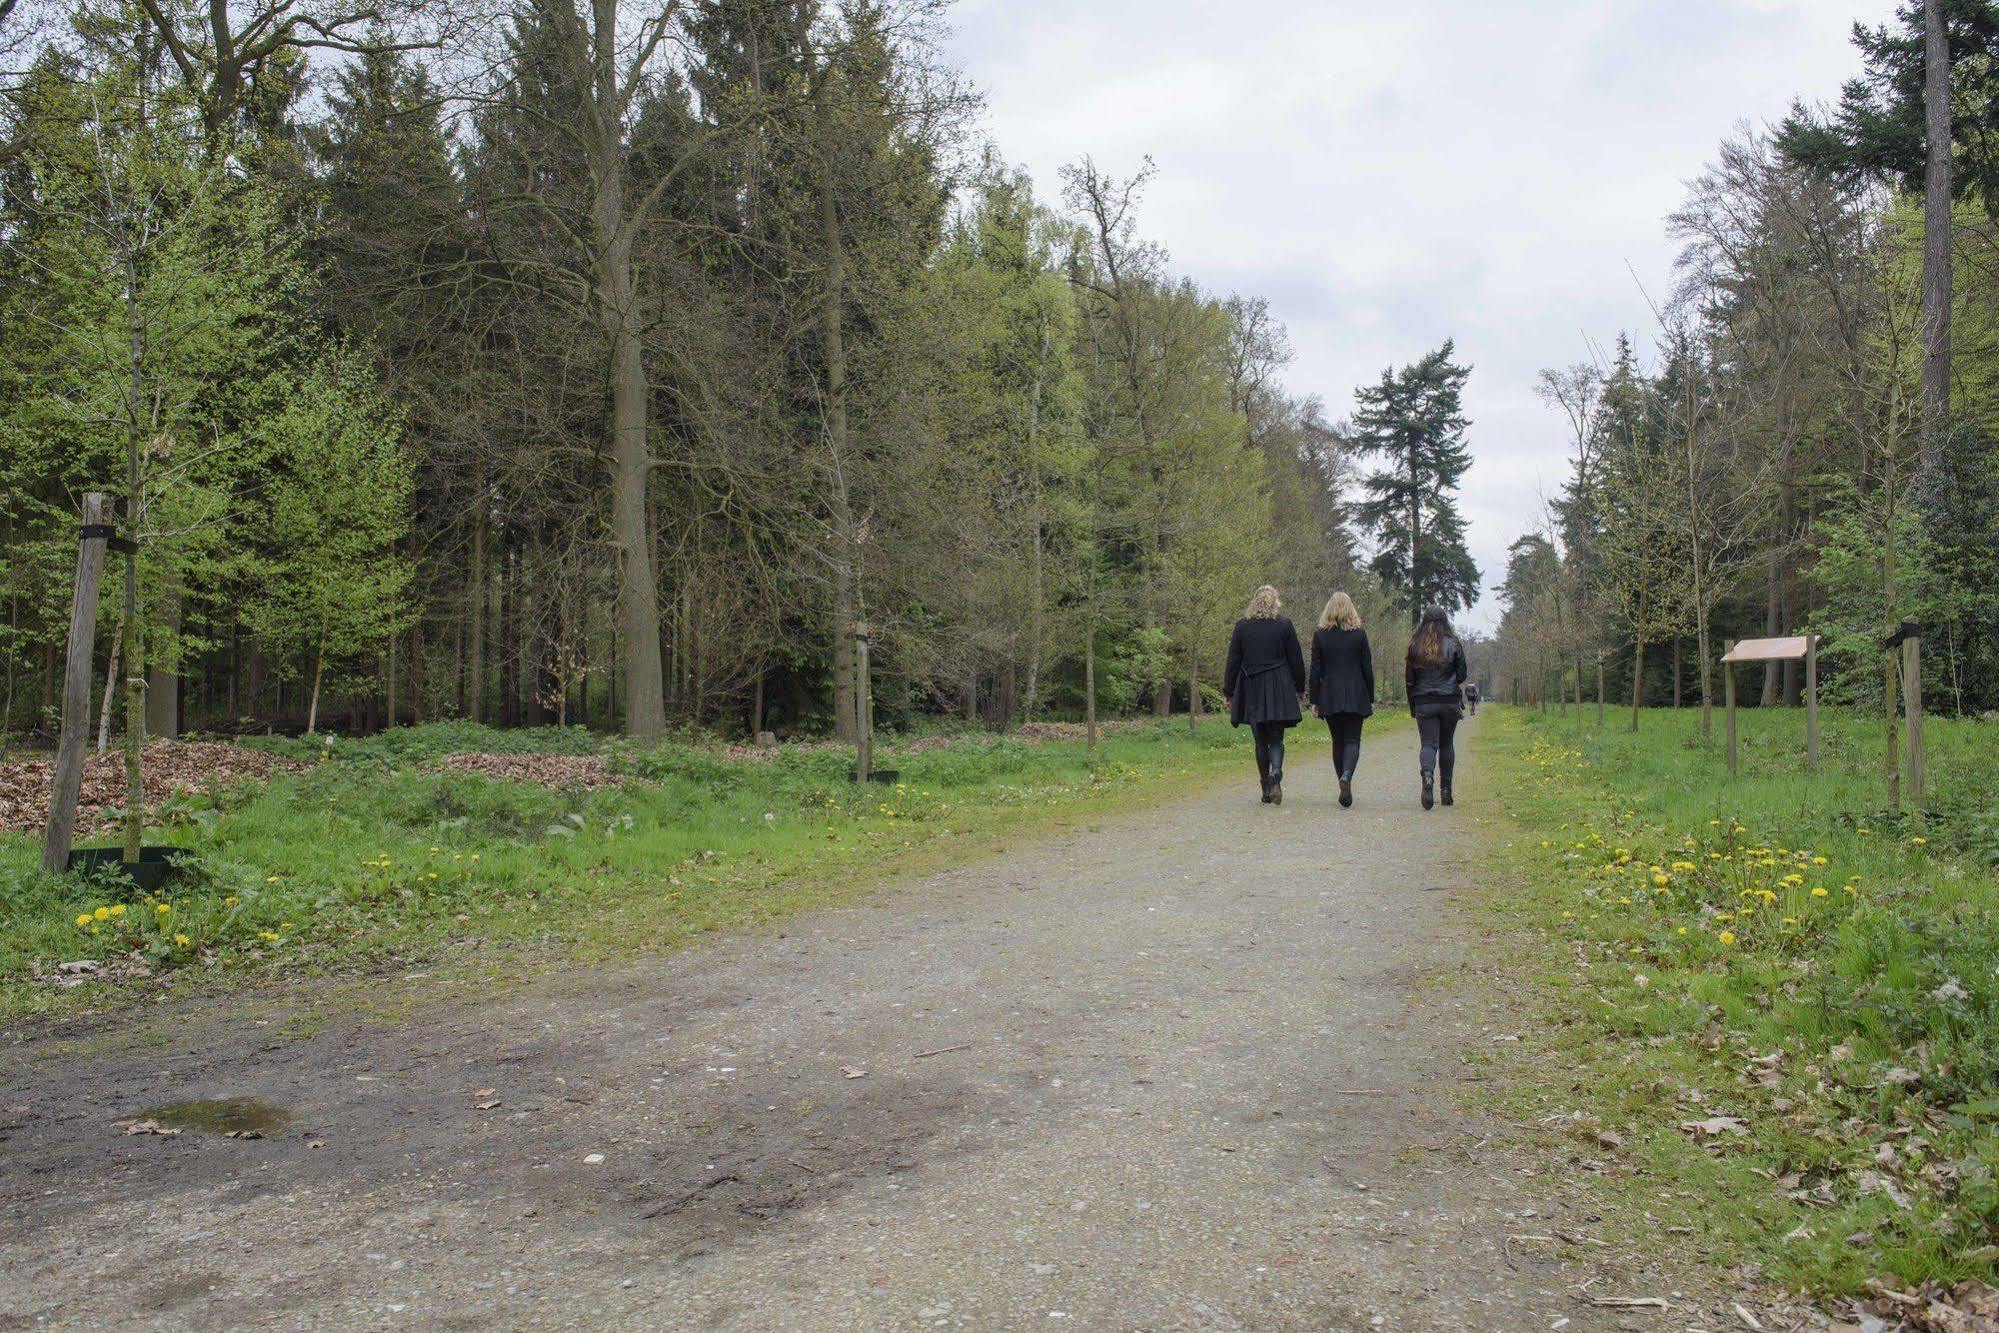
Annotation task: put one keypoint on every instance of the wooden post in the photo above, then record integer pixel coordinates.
(61, 829)
(1812, 700)
(864, 705)
(1728, 700)
(1912, 713)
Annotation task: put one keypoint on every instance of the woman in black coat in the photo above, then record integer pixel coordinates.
(1264, 683)
(1342, 684)
(1434, 670)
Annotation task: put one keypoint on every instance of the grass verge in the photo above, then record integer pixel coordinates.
(1766, 1005)
(367, 858)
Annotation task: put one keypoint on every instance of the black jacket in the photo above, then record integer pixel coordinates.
(1433, 691)
(1265, 672)
(1342, 678)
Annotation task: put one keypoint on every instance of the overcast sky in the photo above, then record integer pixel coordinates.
(1391, 175)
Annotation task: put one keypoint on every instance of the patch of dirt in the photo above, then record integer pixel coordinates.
(587, 771)
(170, 767)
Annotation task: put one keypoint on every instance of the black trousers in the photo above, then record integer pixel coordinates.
(1439, 754)
(1269, 751)
(1346, 741)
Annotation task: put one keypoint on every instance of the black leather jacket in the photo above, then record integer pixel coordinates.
(1432, 688)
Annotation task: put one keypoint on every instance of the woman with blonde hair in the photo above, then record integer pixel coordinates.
(1342, 684)
(1264, 684)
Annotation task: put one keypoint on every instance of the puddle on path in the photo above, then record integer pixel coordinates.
(241, 1116)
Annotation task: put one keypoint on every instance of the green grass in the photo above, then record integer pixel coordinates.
(1775, 954)
(365, 859)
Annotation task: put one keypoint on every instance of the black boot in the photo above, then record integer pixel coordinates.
(1266, 791)
(1346, 791)
(1429, 797)
(1446, 793)
(1277, 789)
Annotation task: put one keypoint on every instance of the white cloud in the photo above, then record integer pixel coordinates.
(1491, 170)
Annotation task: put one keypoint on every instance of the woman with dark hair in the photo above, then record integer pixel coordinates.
(1433, 670)
(1342, 684)
(1264, 683)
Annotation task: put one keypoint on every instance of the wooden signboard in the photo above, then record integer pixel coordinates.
(1796, 648)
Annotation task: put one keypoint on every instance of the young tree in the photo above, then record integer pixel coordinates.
(329, 581)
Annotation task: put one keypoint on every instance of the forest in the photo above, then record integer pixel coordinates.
(618, 365)
(1810, 446)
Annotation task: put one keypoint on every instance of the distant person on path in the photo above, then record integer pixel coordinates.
(1471, 698)
(1433, 669)
(1342, 684)
(1264, 684)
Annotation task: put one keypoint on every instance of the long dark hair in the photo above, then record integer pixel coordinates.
(1429, 646)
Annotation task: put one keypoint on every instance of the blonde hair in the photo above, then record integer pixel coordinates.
(1339, 612)
(1265, 605)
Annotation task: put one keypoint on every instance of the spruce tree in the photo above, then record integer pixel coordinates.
(1414, 419)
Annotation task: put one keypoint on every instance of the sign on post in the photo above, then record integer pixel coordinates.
(1794, 648)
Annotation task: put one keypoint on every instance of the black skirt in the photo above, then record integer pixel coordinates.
(1265, 694)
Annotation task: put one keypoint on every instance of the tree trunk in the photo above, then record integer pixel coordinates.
(475, 593)
(1637, 679)
(846, 704)
(163, 682)
(1677, 672)
(110, 684)
(631, 463)
(1035, 630)
(137, 417)
(318, 674)
(1936, 310)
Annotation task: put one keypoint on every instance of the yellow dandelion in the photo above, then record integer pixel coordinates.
(1819, 892)
(85, 919)
(101, 914)
(1726, 937)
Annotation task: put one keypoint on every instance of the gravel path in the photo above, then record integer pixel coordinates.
(1200, 1066)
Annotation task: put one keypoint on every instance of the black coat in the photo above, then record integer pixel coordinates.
(1265, 672)
(1342, 678)
(1433, 691)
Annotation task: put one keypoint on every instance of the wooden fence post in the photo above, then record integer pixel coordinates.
(864, 705)
(1812, 699)
(1728, 697)
(1912, 713)
(60, 832)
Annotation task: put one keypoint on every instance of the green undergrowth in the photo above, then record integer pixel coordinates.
(369, 856)
(1769, 1008)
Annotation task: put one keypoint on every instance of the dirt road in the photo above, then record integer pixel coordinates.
(1201, 1066)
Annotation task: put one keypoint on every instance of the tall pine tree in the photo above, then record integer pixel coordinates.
(1414, 419)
